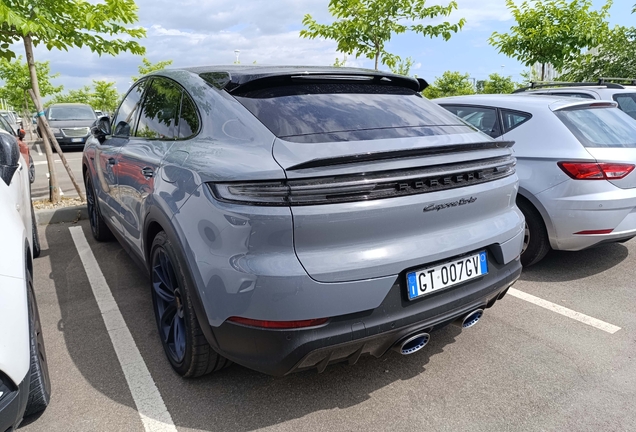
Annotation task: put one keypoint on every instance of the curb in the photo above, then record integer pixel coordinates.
(61, 215)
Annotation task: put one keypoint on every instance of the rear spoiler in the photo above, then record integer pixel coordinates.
(584, 104)
(223, 80)
(401, 154)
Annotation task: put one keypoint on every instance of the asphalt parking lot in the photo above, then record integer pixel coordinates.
(523, 367)
(40, 188)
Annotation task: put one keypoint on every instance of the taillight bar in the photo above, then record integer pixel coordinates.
(364, 187)
(596, 170)
(279, 324)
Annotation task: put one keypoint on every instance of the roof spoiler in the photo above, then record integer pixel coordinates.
(600, 82)
(223, 80)
(586, 103)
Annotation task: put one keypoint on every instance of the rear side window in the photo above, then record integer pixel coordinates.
(188, 119)
(160, 110)
(326, 112)
(483, 118)
(627, 103)
(600, 127)
(512, 119)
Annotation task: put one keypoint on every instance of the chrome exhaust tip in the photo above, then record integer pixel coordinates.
(470, 319)
(412, 344)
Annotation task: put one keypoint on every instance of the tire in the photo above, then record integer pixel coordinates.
(36, 237)
(536, 243)
(100, 230)
(31, 170)
(186, 348)
(40, 383)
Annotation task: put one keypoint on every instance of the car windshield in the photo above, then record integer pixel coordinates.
(600, 127)
(627, 103)
(346, 111)
(71, 113)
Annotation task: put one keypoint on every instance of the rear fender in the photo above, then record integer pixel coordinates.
(174, 233)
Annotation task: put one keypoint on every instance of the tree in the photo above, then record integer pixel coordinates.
(450, 84)
(340, 63)
(105, 96)
(614, 57)
(82, 95)
(403, 67)
(551, 31)
(363, 27)
(62, 24)
(497, 84)
(17, 81)
(146, 67)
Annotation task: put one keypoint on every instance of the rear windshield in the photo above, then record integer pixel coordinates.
(71, 113)
(600, 127)
(347, 111)
(627, 103)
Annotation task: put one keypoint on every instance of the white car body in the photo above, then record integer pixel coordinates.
(16, 306)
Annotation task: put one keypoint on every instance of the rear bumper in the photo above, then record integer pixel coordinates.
(576, 206)
(345, 338)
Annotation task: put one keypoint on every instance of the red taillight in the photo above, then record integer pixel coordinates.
(279, 324)
(592, 232)
(596, 171)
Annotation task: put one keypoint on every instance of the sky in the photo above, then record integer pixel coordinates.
(206, 32)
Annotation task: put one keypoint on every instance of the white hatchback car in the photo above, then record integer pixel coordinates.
(24, 379)
(575, 162)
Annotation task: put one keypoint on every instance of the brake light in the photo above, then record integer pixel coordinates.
(278, 324)
(596, 171)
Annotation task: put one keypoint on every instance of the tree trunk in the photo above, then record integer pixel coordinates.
(54, 189)
(542, 71)
(47, 134)
(377, 57)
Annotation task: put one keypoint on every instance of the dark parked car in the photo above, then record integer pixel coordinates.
(294, 217)
(71, 123)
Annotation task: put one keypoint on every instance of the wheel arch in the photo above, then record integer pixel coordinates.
(155, 222)
(530, 199)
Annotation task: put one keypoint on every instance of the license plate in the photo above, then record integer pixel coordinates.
(77, 139)
(428, 280)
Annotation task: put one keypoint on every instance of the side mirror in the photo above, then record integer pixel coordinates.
(101, 128)
(9, 157)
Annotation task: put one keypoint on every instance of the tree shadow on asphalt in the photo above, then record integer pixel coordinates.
(235, 399)
(559, 266)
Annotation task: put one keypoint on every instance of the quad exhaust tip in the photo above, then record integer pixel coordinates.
(470, 319)
(412, 344)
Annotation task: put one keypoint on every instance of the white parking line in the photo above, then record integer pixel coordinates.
(39, 149)
(601, 325)
(150, 405)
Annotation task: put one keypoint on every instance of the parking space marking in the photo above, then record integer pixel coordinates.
(39, 149)
(601, 325)
(152, 410)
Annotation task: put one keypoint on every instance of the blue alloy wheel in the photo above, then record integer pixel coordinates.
(91, 207)
(169, 305)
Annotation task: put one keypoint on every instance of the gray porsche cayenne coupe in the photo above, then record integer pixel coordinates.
(294, 217)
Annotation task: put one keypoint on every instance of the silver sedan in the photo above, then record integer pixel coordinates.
(575, 165)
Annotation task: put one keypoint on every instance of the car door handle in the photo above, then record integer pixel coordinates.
(147, 172)
(112, 161)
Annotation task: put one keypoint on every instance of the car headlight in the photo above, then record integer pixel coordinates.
(56, 131)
